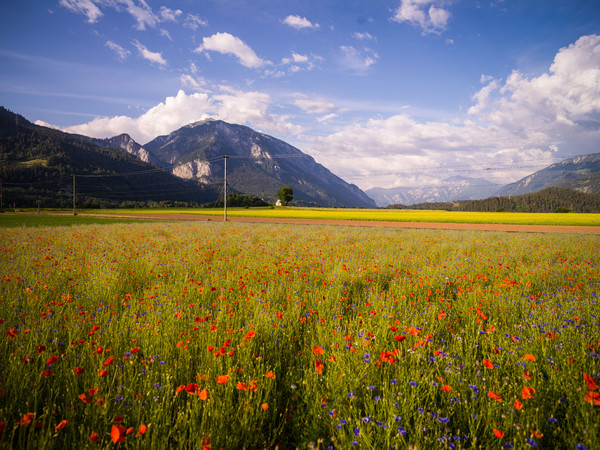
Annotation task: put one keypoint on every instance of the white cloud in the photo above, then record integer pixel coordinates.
(232, 105)
(197, 84)
(514, 127)
(552, 102)
(314, 106)
(423, 13)
(226, 43)
(85, 7)
(153, 57)
(121, 53)
(193, 21)
(356, 60)
(169, 14)
(141, 12)
(299, 62)
(364, 36)
(299, 23)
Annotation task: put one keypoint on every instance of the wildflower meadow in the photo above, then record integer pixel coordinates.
(231, 335)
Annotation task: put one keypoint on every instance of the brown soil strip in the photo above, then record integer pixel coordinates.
(371, 223)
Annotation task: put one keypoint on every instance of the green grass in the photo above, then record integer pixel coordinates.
(297, 337)
(9, 220)
(389, 215)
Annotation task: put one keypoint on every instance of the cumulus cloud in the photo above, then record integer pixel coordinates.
(299, 23)
(228, 44)
(425, 14)
(85, 7)
(229, 104)
(562, 98)
(513, 125)
(153, 57)
(121, 53)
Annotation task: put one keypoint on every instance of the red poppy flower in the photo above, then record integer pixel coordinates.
(222, 379)
(270, 375)
(191, 388)
(518, 405)
(103, 372)
(487, 363)
(446, 388)
(529, 357)
(319, 366)
(40, 349)
(318, 350)
(592, 397)
(264, 406)
(46, 373)
(52, 360)
(108, 361)
(242, 386)
(494, 396)
(78, 370)
(527, 392)
(94, 437)
(84, 398)
(27, 419)
(61, 425)
(117, 434)
(180, 388)
(142, 430)
(203, 394)
(590, 382)
(400, 338)
(499, 434)
(249, 335)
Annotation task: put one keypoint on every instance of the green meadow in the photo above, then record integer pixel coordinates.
(236, 335)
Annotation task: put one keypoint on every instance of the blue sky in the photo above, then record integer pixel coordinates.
(384, 93)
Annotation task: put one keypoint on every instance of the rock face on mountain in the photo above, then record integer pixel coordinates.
(257, 164)
(581, 173)
(453, 188)
(125, 142)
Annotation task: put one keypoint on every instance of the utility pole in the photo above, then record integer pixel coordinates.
(74, 213)
(225, 191)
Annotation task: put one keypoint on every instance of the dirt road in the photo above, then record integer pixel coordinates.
(370, 223)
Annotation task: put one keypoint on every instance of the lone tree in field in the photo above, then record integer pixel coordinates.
(285, 195)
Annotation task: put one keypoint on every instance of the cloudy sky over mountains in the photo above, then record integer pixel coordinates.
(382, 92)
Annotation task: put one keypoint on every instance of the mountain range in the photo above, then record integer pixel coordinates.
(579, 173)
(187, 165)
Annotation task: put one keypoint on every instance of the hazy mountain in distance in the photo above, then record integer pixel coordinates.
(579, 172)
(453, 188)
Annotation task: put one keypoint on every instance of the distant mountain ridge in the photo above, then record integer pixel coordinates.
(581, 173)
(258, 164)
(453, 188)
